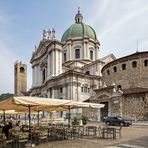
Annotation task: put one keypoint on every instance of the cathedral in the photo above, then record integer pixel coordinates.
(68, 68)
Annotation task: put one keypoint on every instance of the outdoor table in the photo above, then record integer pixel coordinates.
(109, 131)
(17, 139)
(91, 129)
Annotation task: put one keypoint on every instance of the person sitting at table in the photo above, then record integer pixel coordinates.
(17, 127)
(6, 129)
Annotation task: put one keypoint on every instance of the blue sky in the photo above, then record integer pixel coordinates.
(118, 24)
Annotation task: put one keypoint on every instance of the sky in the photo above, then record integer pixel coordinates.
(121, 27)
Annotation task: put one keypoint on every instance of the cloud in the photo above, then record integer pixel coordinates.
(119, 24)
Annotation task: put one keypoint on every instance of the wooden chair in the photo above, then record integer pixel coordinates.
(99, 132)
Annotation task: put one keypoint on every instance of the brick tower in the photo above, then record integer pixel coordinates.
(20, 78)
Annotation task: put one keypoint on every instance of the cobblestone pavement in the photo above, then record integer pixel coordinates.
(135, 136)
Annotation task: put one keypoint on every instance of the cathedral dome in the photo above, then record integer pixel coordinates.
(79, 29)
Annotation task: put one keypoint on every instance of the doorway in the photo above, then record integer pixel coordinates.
(104, 110)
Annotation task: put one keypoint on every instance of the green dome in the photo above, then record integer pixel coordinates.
(79, 30)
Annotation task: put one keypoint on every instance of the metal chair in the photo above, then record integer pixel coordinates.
(118, 131)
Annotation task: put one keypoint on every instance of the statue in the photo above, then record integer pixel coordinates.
(49, 34)
(53, 34)
(35, 48)
(44, 34)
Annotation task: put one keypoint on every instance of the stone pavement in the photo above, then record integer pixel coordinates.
(135, 136)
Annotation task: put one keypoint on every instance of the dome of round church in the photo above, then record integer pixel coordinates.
(79, 29)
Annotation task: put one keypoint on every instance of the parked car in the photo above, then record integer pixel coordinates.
(117, 120)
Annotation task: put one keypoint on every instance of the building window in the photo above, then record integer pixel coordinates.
(91, 55)
(64, 57)
(50, 92)
(61, 90)
(108, 72)
(115, 69)
(145, 62)
(77, 53)
(134, 64)
(82, 89)
(87, 72)
(123, 66)
(85, 88)
(44, 75)
(119, 87)
(22, 70)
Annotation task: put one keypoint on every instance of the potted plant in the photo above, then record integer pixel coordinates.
(84, 119)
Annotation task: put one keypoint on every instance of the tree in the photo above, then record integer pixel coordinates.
(6, 95)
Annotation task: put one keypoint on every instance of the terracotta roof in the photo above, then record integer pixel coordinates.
(134, 90)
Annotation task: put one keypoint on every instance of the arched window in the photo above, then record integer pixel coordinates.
(88, 72)
(82, 89)
(85, 88)
(115, 69)
(44, 75)
(108, 72)
(50, 92)
(61, 90)
(134, 64)
(123, 66)
(145, 62)
(64, 56)
(91, 54)
(119, 87)
(77, 53)
(22, 69)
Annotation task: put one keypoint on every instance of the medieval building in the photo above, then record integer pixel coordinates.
(125, 90)
(20, 78)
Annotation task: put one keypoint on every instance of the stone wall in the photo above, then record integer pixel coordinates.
(131, 76)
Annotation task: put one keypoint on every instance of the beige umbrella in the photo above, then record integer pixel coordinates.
(47, 104)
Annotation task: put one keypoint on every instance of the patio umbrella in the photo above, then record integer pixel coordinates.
(47, 104)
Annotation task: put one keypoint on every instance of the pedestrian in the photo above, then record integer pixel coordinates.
(6, 129)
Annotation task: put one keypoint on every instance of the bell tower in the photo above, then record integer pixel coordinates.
(20, 78)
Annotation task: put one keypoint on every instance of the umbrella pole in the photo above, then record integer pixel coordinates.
(25, 118)
(69, 116)
(4, 119)
(38, 117)
(29, 120)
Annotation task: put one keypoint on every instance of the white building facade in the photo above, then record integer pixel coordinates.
(70, 68)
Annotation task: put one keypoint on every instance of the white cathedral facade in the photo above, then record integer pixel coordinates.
(68, 68)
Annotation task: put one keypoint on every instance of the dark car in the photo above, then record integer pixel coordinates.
(117, 121)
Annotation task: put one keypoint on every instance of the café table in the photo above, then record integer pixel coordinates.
(109, 132)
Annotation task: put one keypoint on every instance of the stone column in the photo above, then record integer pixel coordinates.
(84, 50)
(96, 53)
(49, 66)
(56, 63)
(70, 58)
(33, 76)
(53, 62)
(87, 52)
(120, 105)
(39, 75)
